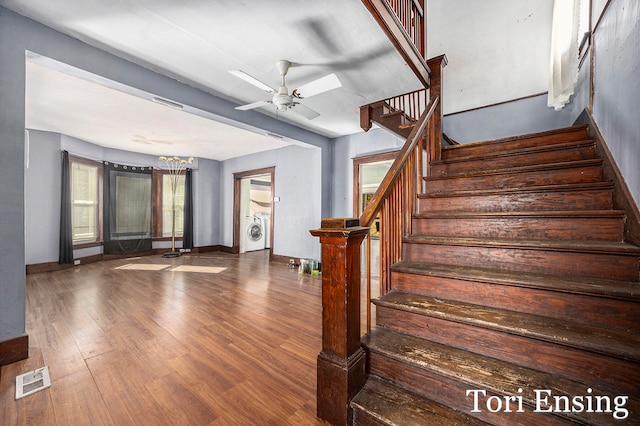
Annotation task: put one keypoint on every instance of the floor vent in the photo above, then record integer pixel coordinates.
(32, 382)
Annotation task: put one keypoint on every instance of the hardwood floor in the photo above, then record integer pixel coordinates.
(212, 339)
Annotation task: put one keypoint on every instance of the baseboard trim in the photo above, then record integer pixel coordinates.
(14, 350)
(206, 249)
(231, 250)
(278, 258)
(37, 268)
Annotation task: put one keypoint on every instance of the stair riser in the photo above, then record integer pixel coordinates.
(596, 311)
(552, 228)
(453, 393)
(525, 201)
(525, 159)
(467, 150)
(515, 180)
(360, 418)
(598, 265)
(604, 371)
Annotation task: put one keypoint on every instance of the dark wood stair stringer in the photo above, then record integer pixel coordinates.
(516, 277)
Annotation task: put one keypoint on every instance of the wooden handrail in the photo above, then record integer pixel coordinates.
(375, 204)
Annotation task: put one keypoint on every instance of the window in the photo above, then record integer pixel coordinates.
(167, 203)
(163, 204)
(86, 184)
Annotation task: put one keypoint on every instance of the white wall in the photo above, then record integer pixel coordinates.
(298, 183)
(498, 50)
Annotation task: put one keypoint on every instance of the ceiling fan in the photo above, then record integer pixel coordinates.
(282, 99)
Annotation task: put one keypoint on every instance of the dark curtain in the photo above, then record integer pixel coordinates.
(187, 232)
(66, 232)
(127, 209)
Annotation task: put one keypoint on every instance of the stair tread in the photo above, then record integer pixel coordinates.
(516, 152)
(520, 169)
(542, 188)
(524, 214)
(623, 344)
(541, 134)
(394, 405)
(477, 371)
(627, 290)
(585, 246)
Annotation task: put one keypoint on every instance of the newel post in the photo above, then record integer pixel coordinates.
(436, 65)
(341, 363)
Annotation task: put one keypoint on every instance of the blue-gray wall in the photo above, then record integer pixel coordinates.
(298, 182)
(528, 115)
(207, 206)
(345, 149)
(13, 38)
(616, 105)
(42, 197)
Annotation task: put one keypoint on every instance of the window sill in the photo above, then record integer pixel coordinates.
(87, 245)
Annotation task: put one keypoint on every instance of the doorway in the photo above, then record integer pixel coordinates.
(368, 172)
(253, 210)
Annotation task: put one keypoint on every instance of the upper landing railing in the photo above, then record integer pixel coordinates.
(411, 16)
(404, 22)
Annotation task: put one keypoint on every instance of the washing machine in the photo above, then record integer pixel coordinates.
(266, 223)
(255, 234)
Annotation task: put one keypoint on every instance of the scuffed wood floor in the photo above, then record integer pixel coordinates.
(135, 342)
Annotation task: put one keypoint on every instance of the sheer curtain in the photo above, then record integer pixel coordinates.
(563, 67)
(127, 209)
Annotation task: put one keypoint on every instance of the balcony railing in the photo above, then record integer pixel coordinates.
(410, 13)
(411, 104)
(404, 22)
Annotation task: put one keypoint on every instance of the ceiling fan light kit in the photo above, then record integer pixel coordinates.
(281, 99)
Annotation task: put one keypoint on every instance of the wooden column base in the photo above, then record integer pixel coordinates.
(14, 350)
(339, 381)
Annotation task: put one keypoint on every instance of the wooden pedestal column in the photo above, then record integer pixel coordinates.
(341, 364)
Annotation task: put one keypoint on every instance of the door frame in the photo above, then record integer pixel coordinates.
(237, 178)
(366, 159)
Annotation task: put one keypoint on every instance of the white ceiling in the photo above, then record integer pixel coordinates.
(197, 42)
(65, 100)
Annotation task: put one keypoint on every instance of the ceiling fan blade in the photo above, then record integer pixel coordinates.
(321, 85)
(251, 80)
(253, 105)
(305, 111)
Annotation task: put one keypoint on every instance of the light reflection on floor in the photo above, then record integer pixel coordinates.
(143, 267)
(181, 268)
(202, 269)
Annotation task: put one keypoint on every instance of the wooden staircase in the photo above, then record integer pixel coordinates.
(515, 279)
